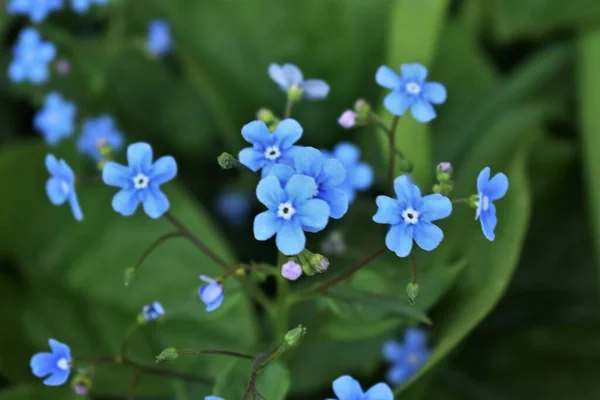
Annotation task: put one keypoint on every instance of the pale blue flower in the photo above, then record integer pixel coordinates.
(411, 90)
(406, 357)
(140, 181)
(211, 294)
(37, 10)
(56, 119)
(233, 206)
(213, 398)
(81, 6)
(411, 217)
(359, 175)
(291, 211)
(99, 132)
(347, 388)
(489, 190)
(153, 311)
(159, 38)
(289, 75)
(31, 57)
(60, 187)
(54, 366)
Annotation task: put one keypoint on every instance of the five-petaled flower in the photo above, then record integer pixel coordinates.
(411, 217)
(291, 211)
(60, 187)
(31, 58)
(269, 148)
(406, 357)
(347, 388)
(328, 173)
(140, 181)
(359, 175)
(81, 6)
(37, 10)
(55, 120)
(153, 311)
(411, 90)
(489, 190)
(54, 366)
(159, 38)
(211, 294)
(98, 133)
(289, 76)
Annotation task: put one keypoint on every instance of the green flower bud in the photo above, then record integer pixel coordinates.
(81, 385)
(130, 275)
(412, 291)
(226, 161)
(168, 354)
(265, 115)
(473, 201)
(362, 109)
(406, 166)
(312, 263)
(294, 93)
(292, 338)
(437, 188)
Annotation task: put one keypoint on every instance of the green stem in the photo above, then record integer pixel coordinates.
(414, 268)
(288, 108)
(126, 338)
(460, 201)
(164, 372)
(195, 352)
(281, 321)
(392, 160)
(153, 247)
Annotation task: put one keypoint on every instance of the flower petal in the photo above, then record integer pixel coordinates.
(211, 293)
(58, 377)
(488, 222)
(270, 193)
(336, 199)
(497, 186)
(418, 72)
(287, 133)
(347, 388)
(60, 349)
(347, 153)
(423, 111)
(139, 157)
(408, 193)
(266, 224)
(292, 74)
(392, 351)
(252, 158)
(118, 175)
(333, 172)
(282, 172)
(362, 176)
(434, 92)
(126, 201)
(380, 391)
(483, 179)
(42, 364)
(315, 89)
(215, 304)
(399, 373)
(257, 132)
(55, 191)
(16, 71)
(52, 164)
(434, 207)
(415, 337)
(300, 188)
(277, 75)
(308, 161)
(399, 239)
(388, 212)
(313, 215)
(163, 170)
(75, 207)
(397, 103)
(428, 236)
(387, 77)
(290, 239)
(155, 202)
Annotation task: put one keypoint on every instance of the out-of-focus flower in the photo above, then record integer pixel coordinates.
(406, 357)
(347, 388)
(290, 78)
(159, 38)
(153, 311)
(98, 133)
(233, 206)
(60, 187)
(55, 120)
(359, 175)
(347, 119)
(211, 294)
(81, 6)
(31, 57)
(37, 10)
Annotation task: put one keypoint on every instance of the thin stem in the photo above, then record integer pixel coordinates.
(154, 245)
(195, 352)
(460, 201)
(380, 124)
(392, 160)
(163, 372)
(251, 267)
(414, 267)
(281, 321)
(135, 381)
(126, 338)
(288, 108)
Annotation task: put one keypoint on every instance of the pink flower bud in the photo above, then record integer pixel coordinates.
(291, 270)
(444, 166)
(347, 119)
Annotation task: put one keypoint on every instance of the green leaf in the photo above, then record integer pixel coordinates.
(273, 383)
(38, 393)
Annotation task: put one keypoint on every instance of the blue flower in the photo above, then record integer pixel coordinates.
(327, 173)
(347, 388)
(359, 175)
(213, 398)
(99, 132)
(159, 38)
(60, 187)
(407, 357)
(55, 366)
(289, 75)
(211, 294)
(153, 311)
(81, 6)
(489, 190)
(411, 217)
(55, 120)
(234, 206)
(411, 90)
(269, 148)
(140, 181)
(31, 58)
(291, 211)
(37, 10)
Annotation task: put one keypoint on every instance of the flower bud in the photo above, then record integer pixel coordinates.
(265, 115)
(406, 166)
(81, 385)
(348, 119)
(293, 337)
(130, 275)
(473, 201)
(412, 291)
(291, 270)
(168, 354)
(313, 263)
(62, 67)
(362, 109)
(226, 161)
(444, 172)
(294, 93)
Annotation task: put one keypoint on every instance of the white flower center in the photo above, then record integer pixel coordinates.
(272, 153)
(65, 187)
(413, 88)
(140, 181)
(286, 210)
(410, 216)
(63, 364)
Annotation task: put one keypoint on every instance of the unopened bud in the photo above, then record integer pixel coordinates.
(444, 172)
(130, 275)
(348, 119)
(226, 161)
(291, 270)
(81, 385)
(293, 337)
(406, 166)
(313, 263)
(362, 109)
(168, 354)
(265, 115)
(294, 93)
(412, 291)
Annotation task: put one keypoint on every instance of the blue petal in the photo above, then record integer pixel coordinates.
(46, 52)
(428, 236)
(287, 133)
(408, 193)
(139, 157)
(292, 74)
(118, 175)
(213, 398)
(333, 172)
(266, 224)
(380, 391)
(75, 207)
(290, 239)
(423, 111)
(308, 161)
(347, 388)
(38, 73)
(154, 201)
(347, 153)
(270, 193)
(55, 192)
(387, 77)
(392, 351)
(257, 132)
(388, 211)
(163, 170)
(418, 72)
(52, 164)
(252, 158)
(397, 103)
(361, 176)
(313, 215)
(415, 337)
(482, 179)
(211, 293)
(66, 172)
(399, 239)
(336, 199)
(215, 304)
(282, 172)
(434, 207)
(399, 373)
(43, 364)
(126, 201)
(488, 222)
(299, 188)
(58, 377)
(276, 73)
(315, 89)
(16, 71)
(496, 188)
(434, 92)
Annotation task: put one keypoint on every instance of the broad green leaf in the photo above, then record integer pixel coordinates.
(273, 383)
(38, 392)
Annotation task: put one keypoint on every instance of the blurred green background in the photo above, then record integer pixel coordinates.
(514, 319)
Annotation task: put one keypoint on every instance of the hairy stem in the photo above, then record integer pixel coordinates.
(281, 321)
(154, 245)
(194, 352)
(414, 267)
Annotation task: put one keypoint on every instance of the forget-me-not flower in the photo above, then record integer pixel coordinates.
(291, 211)
(60, 187)
(81, 6)
(54, 366)
(328, 173)
(411, 217)
(159, 38)
(347, 388)
(153, 311)
(489, 190)
(289, 75)
(140, 181)
(269, 148)
(31, 57)
(213, 398)
(56, 119)
(359, 175)
(406, 357)
(233, 206)
(211, 294)
(99, 132)
(411, 90)
(37, 10)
